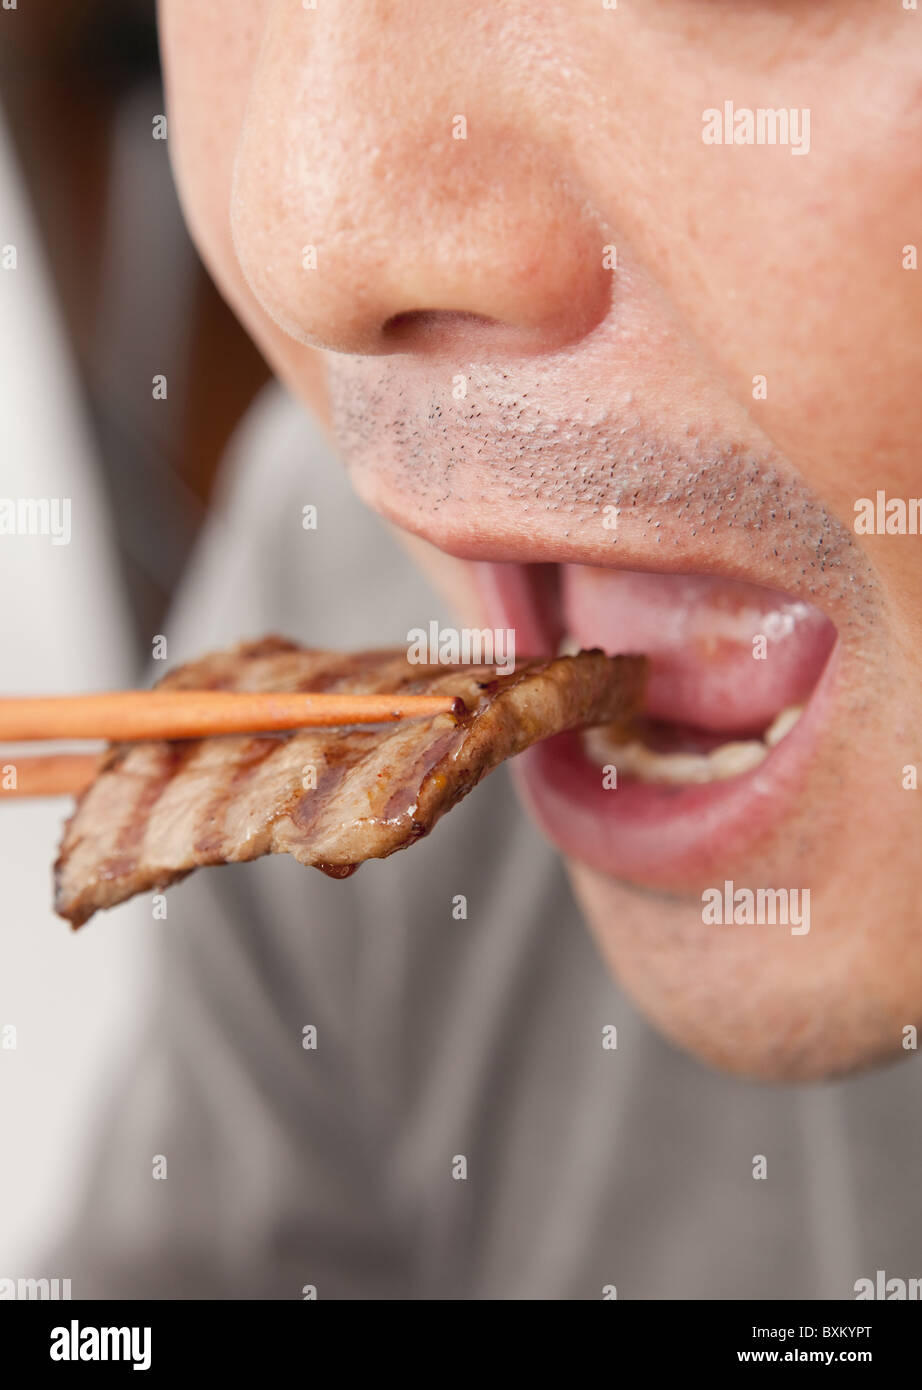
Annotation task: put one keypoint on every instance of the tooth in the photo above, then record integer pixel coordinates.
(782, 724)
(609, 745)
(568, 646)
(637, 760)
(675, 769)
(732, 759)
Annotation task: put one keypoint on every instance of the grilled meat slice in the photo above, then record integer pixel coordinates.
(331, 797)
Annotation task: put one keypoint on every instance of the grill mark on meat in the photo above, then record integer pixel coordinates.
(340, 760)
(254, 753)
(395, 808)
(260, 747)
(158, 810)
(124, 859)
(310, 803)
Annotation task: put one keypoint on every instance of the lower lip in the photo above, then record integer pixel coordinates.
(668, 837)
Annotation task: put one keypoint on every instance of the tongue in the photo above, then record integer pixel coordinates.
(700, 632)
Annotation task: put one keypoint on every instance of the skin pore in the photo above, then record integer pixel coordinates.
(589, 385)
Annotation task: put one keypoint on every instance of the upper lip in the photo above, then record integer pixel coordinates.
(500, 478)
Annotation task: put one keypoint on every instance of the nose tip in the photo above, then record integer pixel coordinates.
(356, 274)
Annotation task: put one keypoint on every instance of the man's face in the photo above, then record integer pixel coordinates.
(632, 366)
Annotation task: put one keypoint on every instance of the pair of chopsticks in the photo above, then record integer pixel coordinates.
(176, 714)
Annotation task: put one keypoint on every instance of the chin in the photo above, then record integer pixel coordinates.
(756, 1001)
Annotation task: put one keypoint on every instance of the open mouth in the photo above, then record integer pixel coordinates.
(739, 678)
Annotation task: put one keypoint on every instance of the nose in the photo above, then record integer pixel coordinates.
(392, 193)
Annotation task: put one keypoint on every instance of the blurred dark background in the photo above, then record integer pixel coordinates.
(80, 87)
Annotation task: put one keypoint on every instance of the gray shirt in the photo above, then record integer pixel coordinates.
(439, 1039)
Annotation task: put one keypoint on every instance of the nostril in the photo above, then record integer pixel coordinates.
(429, 324)
(435, 332)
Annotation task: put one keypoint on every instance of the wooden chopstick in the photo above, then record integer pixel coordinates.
(174, 714)
(56, 774)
